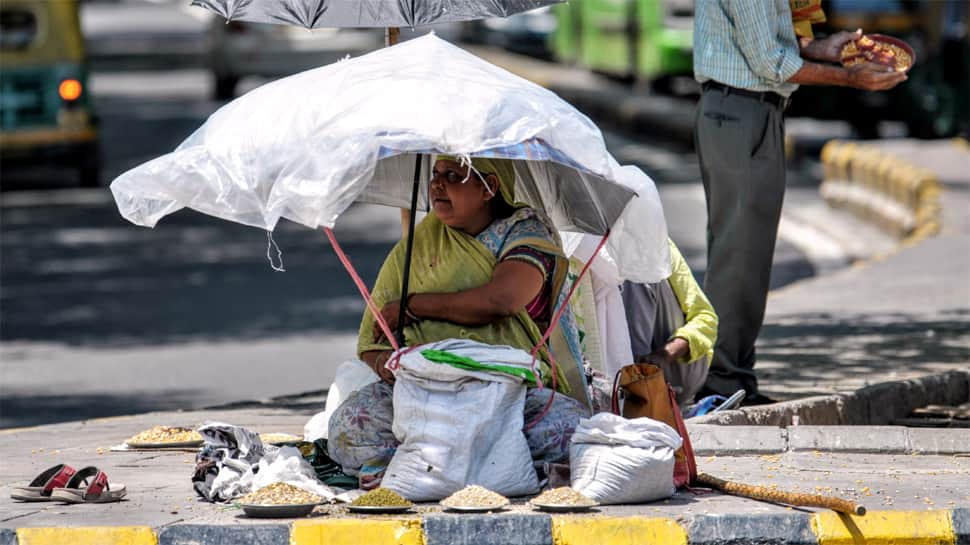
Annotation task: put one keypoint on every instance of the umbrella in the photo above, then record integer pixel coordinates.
(366, 13)
(307, 146)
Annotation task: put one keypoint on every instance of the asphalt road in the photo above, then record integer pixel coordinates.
(99, 317)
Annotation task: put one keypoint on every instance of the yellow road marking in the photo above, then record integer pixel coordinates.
(885, 527)
(357, 532)
(616, 531)
(121, 535)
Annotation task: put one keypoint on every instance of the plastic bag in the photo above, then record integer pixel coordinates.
(460, 426)
(352, 375)
(306, 146)
(617, 460)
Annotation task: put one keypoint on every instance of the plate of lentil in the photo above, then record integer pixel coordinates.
(378, 509)
(380, 501)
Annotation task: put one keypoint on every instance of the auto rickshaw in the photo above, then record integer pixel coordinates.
(46, 114)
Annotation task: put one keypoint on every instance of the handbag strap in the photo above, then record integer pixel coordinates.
(615, 398)
(682, 430)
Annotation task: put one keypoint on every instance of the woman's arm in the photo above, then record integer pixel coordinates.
(514, 285)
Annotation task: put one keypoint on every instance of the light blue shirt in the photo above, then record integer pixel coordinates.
(748, 44)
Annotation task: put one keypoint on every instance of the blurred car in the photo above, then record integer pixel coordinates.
(526, 33)
(239, 49)
(45, 105)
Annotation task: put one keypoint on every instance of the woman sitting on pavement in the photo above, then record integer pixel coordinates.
(483, 268)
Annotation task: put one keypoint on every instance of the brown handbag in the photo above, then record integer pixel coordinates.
(646, 393)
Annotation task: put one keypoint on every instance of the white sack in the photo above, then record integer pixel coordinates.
(459, 427)
(352, 375)
(618, 460)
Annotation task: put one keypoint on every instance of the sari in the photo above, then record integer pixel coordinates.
(448, 260)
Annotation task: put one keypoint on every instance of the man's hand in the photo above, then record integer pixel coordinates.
(874, 77)
(828, 49)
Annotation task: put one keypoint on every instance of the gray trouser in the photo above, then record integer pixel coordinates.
(741, 146)
(653, 314)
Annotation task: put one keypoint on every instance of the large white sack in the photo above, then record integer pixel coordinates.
(459, 427)
(618, 460)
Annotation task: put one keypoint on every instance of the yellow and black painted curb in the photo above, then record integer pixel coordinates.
(939, 527)
(878, 187)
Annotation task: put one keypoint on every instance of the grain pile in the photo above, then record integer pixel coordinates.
(166, 434)
(866, 49)
(563, 495)
(475, 496)
(280, 494)
(381, 497)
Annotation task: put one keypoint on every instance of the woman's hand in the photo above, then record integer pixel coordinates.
(391, 311)
(376, 359)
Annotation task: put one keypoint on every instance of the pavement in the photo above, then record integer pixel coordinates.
(883, 331)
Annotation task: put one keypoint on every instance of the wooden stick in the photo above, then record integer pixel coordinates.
(780, 496)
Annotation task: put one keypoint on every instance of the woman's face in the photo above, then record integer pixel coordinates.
(461, 205)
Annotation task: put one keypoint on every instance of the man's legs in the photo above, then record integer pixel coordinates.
(653, 315)
(740, 144)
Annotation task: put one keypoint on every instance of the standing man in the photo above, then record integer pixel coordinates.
(749, 61)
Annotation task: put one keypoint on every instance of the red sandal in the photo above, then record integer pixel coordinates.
(41, 487)
(97, 490)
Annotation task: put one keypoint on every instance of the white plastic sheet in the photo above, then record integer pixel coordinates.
(307, 146)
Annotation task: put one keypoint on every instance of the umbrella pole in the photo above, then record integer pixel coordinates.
(399, 334)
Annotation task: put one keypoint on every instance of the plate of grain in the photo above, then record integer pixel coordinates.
(475, 499)
(279, 439)
(879, 49)
(279, 500)
(380, 501)
(561, 500)
(165, 437)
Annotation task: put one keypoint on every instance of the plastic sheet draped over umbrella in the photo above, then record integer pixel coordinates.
(306, 147)
(366, 13)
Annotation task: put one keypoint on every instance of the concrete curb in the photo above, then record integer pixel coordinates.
(911, 527)
(709, 440)
(878, 404)
(878, 187)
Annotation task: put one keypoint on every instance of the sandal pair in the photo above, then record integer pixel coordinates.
(63, 483)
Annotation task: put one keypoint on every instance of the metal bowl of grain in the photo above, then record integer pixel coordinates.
(279, 500)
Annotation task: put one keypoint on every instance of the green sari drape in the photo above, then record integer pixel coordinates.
(448, 260)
